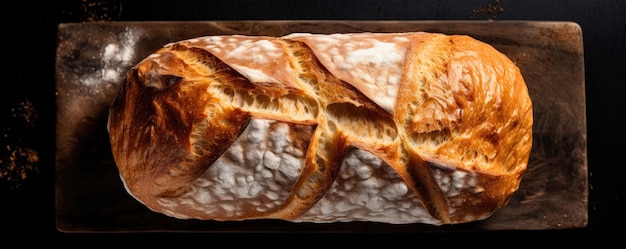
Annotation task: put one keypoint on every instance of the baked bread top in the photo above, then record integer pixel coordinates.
(389, 127)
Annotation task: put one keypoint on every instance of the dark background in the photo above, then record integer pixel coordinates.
(27, 110)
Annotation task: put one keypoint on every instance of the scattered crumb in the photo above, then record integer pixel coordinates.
(100, 10)
(25, 110)
(18, 164)
(18, 160)
(489, 11)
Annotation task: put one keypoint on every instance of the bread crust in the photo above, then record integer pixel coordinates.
(387, 127)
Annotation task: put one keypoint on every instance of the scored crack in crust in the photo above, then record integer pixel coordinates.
(386, 127)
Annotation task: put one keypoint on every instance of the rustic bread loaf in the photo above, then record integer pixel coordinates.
(384, 127)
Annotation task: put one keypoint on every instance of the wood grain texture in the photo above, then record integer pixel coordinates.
(93, 57)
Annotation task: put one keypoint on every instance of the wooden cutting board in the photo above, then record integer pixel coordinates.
(92, 59)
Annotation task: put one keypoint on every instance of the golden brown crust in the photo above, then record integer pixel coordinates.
(455, 110)
(472, 112)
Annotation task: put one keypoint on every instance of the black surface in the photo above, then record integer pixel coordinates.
(28, 109)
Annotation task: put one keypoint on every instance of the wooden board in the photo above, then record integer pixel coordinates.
(93, 57)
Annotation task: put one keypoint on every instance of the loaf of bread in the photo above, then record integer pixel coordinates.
(383, 127)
